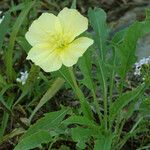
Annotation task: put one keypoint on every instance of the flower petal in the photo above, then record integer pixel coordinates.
(70, 55)
(42, 29)
(43, 56)
(72, 22)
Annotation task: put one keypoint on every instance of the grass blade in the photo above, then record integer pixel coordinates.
(4, 27)
(58, 83)
(16, 27)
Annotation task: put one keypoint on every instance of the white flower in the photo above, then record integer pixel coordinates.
(138, 65)
(1, 19)
(23, 78)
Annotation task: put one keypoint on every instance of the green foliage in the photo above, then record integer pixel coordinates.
(145, 107)
(85, 65)
(48, 95)
(23, 43)
(99, 119)
(126, 49)
(81, 120)
(66, 75)
(16, 27)
(124, 100)
(104, 142)
(40, 132)
(34, 140)
(98, 22)
(69, 76)
(81, 136)
(4, 27)
(50, 122)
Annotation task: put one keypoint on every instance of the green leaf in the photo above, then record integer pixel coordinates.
(81, 120)
(16, 27)
(118, 37)
(54, 88)
(125, 99)
(126, 50)
(4, 27)
(17, 7)
(66, 75)
(145, 107)
(24, 44)
(50, 122)
(97, 18)
(104, 142)
(34, 140)
(81, 136)
(40, 132)
(85, 66)
(129, 110)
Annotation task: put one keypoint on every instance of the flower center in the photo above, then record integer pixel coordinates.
(59, 42)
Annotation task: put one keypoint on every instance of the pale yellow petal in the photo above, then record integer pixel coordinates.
(43, 28)
(43, 56)
(72, 22)
(71, 54)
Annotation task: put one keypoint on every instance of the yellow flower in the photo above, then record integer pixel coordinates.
(53, 39)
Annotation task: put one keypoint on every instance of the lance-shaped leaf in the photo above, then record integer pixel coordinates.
(126, 50)
(97, 19)
(145, 107)
(125, 99)
(104, 142)
(4, 27)
(81, 120)
(85, 65)
(34, 140)
(15, 30)
(55, 87)
(81, 136)
(39, 132)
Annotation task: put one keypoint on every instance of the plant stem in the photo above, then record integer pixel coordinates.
(112, 84)
(121, 86)
(97, 106)
(84, 105)
(78, 91)
(112, 77)
(104, 93)
(136, 124)
(119, 128)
